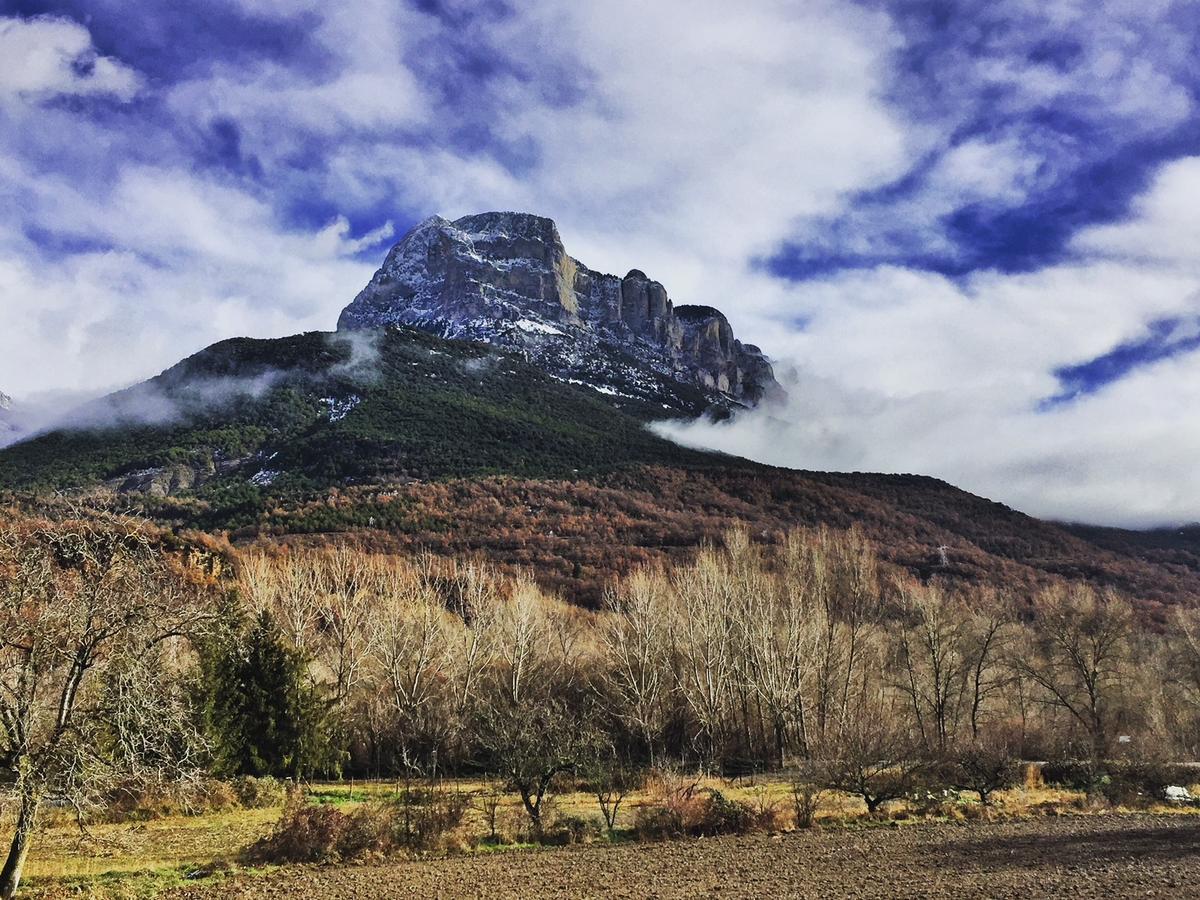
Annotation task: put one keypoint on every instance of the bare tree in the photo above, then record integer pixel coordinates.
(777, 650)
(873, 757)
(837, 574)
(983, 764)
(475, 598)
(610, 778)
(933, 646)
(635, 646)
(531, 744)
(347, 594)
(990, 625)
(1078, 654)
(412, 646)
(78, 599)
(702, 640)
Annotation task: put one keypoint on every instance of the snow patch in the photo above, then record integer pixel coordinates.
(537, 327)
(339, 408)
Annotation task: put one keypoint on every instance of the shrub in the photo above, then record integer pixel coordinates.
(654, 822)
(304, 833)
(700, 813)
(1119, 782)
(806, 801)
(140, 801)
(1072, 774)
(259, 793)
(573, 830)
(369, 830)
(675, 806)
(210, 795)
(424, 817)
(307, 832)
(720, 815)
(1128, 783)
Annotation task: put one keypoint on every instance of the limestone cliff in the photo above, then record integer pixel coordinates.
(505, 278)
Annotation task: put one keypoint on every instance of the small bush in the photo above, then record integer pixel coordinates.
(573, 830)
(369, 831)
(139, 801)
(654, 822)
(424, 817)
(210, 795)
(304, 833)
(1118, 782)
(806, 802)
(259, 793)
(1072, 774)
(700, 814)
(720, 815)
(675, 806)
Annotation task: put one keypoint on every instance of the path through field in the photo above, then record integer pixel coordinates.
(1078, 857)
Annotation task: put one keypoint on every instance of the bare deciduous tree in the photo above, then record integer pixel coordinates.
(635, 645)
(1078, 654)
(78, 599)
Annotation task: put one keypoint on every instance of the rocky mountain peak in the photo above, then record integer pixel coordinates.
(505, 278)
(5, 401)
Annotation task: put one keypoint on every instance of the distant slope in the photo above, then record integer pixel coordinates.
(275, 417)
(404, 440)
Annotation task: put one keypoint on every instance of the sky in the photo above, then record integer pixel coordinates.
(968, 233)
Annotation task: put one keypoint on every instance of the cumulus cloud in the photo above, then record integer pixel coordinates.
(181, 262)
(47, 57)
(1162, 225)
(906, 371)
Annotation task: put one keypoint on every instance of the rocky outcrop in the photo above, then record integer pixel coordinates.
(505, 279)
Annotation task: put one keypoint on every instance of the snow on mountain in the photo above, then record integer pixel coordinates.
(505, 279)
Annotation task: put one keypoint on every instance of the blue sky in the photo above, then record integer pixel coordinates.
(966, 230)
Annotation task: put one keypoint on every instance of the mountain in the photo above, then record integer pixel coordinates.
(505, 279)
(522, 436)
(321, 409)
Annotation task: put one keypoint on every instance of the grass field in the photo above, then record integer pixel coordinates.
(137, 859)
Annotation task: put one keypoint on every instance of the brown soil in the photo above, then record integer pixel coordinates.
(1078, 857)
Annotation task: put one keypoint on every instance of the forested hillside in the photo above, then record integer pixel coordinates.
(401, 440)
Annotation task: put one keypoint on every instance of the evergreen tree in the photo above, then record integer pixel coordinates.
(263, 714)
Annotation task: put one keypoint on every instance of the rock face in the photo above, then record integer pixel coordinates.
(505, 278)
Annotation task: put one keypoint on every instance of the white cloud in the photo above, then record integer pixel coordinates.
(904, 371)
(46, 57)
(210, 263)
(695, 147)
(1163, 225)
(687, 139)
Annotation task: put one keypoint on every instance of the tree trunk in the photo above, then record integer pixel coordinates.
(10, 877)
